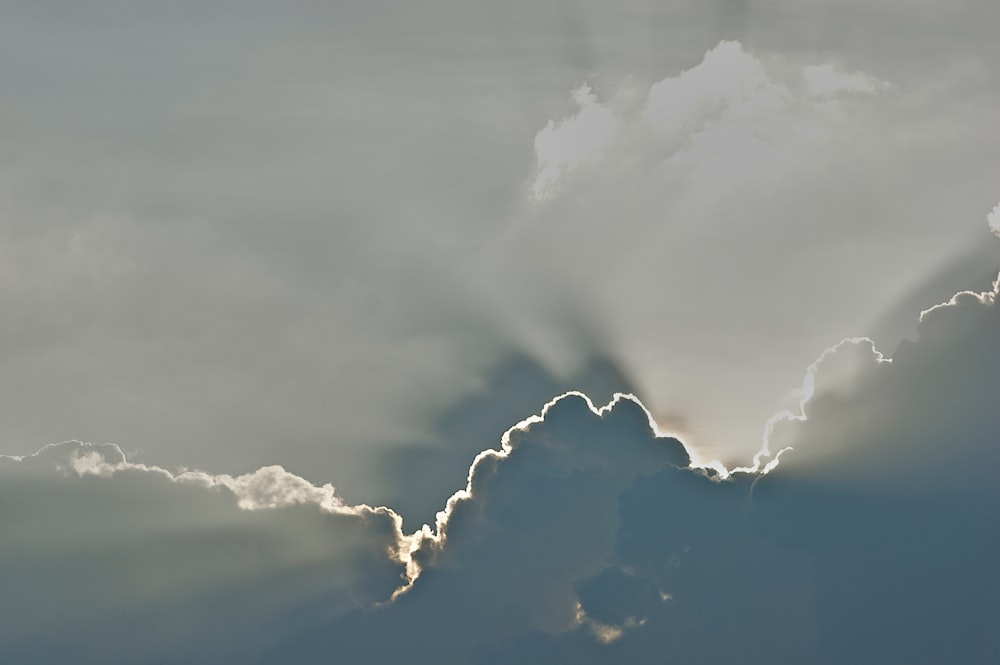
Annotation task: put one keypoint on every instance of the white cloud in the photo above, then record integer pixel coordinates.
(993, 219)
(703, 245)
(578, 139)
(266, 488)
(714, 108)
(729, 84)
(183, 528)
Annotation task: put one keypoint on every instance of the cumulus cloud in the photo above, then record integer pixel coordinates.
(538, 515)
(188, 549)
(148, 518)
(580, 138)
(922, 421)
(731, 93)
(422, 477)
(586, 536)
(700, 236)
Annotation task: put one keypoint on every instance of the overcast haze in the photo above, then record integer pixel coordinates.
(286, 269)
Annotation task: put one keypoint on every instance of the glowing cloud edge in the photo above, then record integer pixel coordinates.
(272, 487)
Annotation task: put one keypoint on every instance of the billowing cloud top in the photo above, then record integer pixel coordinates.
(698, 227)
(729, 106)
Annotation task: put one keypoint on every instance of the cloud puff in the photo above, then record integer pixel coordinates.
(179, 565)
(422, 477)
(730, 94)
(537, 516)
(993, 219)
(830, 80)
(561, 147)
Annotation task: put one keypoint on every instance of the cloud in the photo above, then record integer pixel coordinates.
(993, 219)
(700, 237)
(537, 516)
(185, 562)
(730, 93)
(289, 255)
(300, 257)
(921, 422)
(580, 138)
(422, 477)
(586, 536)
(109, 561)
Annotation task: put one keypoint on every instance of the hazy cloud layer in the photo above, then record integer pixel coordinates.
(301, 234)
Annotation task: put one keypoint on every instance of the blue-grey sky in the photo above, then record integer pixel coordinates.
(287, 268)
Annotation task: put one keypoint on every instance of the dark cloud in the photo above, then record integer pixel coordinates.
(586, 537)
(924, 421)
(538, 516)
(561, 554)
(975, 270)
(419, 477)
(105, 561)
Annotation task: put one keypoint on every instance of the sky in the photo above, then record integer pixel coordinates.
(475, 332)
